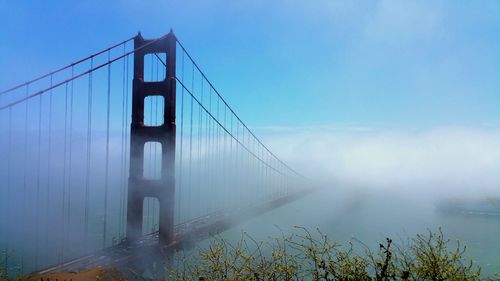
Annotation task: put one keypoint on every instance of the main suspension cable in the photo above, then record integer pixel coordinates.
(64, 67)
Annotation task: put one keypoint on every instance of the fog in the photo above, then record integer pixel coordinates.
(443, 161)
(378, 183)
(373, 183)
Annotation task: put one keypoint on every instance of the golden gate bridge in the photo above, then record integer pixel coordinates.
(129, 148)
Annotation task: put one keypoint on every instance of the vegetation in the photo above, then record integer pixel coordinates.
(306, 256)
(3, 265)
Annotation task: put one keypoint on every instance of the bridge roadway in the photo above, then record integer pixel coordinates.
(140, 255)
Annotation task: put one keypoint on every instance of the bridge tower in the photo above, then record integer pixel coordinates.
(138, 186)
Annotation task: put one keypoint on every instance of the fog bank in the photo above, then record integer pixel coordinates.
(446, 161)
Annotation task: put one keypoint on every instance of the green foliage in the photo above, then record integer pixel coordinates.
(427, 257)
(305, 256)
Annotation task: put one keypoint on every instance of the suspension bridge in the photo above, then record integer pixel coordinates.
(129, 148)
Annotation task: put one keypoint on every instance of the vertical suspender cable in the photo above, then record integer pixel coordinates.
(127, 135)
(249, 159)
(37, 211)
(198, 159)
(232, 188)
(181, 156)
(243, 164)
(262, 171)
(49, 168)
(204, 176)
(225, 160)
(209, 150)
(106, 172)
(9, 182)
(122, 154)
(87, 173)
(3, 199)
(212, 152)
(70, 156)
(25, 163)
(266, 169)
(189, 207)
(63, 206)
(236, 166)
(217, 157)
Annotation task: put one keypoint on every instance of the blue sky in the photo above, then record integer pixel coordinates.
(391, 64)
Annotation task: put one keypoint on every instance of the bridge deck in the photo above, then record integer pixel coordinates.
(143, 253)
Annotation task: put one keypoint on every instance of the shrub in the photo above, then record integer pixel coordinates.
(304, 256)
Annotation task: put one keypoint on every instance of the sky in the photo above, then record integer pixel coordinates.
(293, 64)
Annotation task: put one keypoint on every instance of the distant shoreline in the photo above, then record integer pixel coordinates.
(486, 207)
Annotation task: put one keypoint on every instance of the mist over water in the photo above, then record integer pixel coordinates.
(344, 214)
(390, 183)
